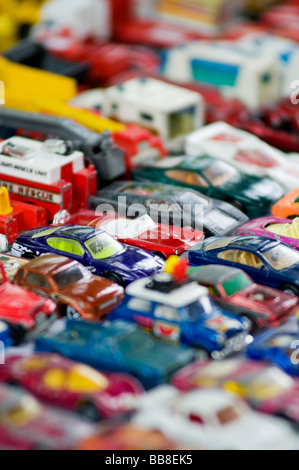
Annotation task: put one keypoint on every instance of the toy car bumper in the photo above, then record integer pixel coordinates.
(233, 345)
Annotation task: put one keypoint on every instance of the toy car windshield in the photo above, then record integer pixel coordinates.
(123, 228)
(103, 246)
(17, 151)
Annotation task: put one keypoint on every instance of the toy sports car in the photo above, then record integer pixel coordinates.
(22, 310)
(267, 388)
(280, 347)
(95, 249)
(118, 346)
(159, 239)
(212, 419)
(182, 207)
(284, 230)
(77, 293)
(26, 424)
(73, 386)
(288, 206)
(267, 262)
(234, 291)
(183, 312)
(217, 179)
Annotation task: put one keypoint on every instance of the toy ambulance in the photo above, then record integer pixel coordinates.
(170, 111)
(252, 79)
(48, 174)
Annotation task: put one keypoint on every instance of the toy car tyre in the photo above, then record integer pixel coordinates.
(89, 411)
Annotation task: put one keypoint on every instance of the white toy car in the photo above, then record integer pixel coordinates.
(246, 152)
(212, 419)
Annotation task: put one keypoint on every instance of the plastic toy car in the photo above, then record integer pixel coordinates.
(288, 206)
(182, 311)
(246, 152)
(213, 216)
(25, 424)
(284, 230)
(279, 347)
(78, 293)
(73, 386)
(95, 249)
(234, 291)
(267, 262)
(267, 388)
(127, 437)
(118, 346)
(217, 179)
(22, 310)
(213, 419)
(159, 239)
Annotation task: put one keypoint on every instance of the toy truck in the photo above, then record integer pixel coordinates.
(169, 111)
(48, 174)
(244, 75)
(17, 217)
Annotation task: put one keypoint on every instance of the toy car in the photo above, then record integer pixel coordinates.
(25, 424)
(73, 386)
(183, 312)
(78, 293)
(127, 437)
(214, 178)
(22, 310)
(279, 347)
(288, 206)
(214, 217)
(267, 262)
(118, 346)
(159, 239)
(95, 249)
(234, 291)
(213, 419)
(284, 230)
(246, 152)
(267, 388)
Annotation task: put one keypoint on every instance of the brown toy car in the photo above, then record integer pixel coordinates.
(78, 293)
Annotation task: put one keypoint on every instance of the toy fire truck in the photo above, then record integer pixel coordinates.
(48, 174)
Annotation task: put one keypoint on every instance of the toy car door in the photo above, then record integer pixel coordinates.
(166, 323)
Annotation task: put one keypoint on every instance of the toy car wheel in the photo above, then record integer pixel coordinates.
(72, 314)
(113, 277)
(89, 411)
(289, 289)
(201, 354)
(159, 254)
(28, 256)
(18, 332)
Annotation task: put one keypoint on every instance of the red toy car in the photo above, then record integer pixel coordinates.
(25, 424)
(76, 387)
(144, 233)
(22, 310)
(267, 388)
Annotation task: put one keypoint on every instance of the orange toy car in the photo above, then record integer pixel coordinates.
(288, 206)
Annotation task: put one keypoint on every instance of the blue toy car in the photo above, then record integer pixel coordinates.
(95, 249)
(183, 312)
(267, 262)
(5, 336)
(118, 346)
(280, 347)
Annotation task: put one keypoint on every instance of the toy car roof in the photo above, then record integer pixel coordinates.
(253, 243)
(213, 274)
(81, 232)
(41, 166)
(178, 297)
(49, 265)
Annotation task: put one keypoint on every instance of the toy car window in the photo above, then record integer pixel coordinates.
(220, 173)
(190, 197)
(55, 379)
(140, 305)
(195, 418)
(229, 414)
(281, 257)
(221, 243)
(37, 280)
(103, 246)
(169, 162)
(27, 410)
(187, 177)
(220, 218)
(84, 379)
(20, 275)
(167, 313)
(202, 307)
(236, 284)
(66, 246)
(70, 276)
(229, 255)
